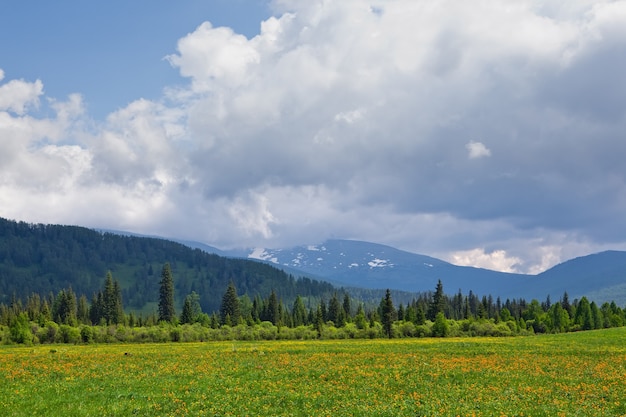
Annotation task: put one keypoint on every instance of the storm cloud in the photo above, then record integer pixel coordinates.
(486, 133)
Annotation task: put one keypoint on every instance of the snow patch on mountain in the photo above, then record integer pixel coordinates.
(379, 263)
(263, 255)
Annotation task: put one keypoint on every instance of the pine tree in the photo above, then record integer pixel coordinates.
(388, 313)
(191, 309)
(82, 311)
(335, 311)
(420, 316)
(187, 316)
(166, 295)
(438, 303)
(230, 306)
(110, 300)
(583, 317)
(347, 307)
(298, 312)
(272, 309)
(359, 319)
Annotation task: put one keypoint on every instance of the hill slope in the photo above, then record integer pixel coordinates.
(46, 258)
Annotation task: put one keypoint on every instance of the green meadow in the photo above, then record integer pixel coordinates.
(572, 374)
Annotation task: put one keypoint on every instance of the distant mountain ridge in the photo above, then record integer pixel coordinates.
(35, 258)
(601, 276)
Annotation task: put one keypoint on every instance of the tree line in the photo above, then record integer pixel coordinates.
(66, 317)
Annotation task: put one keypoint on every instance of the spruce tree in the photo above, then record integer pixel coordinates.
(191, 309)
(298, 312)
(186, 316)
(347, 307)
(166, 295)
(272, 309)
(335, 311)
(388, 313)
(438, 303)
(110, 300)
(229, 310)
(82, 311)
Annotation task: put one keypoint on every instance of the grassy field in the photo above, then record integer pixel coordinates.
(579, 374)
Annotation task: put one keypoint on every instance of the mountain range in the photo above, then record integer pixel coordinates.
(43, 258)
(349, 263)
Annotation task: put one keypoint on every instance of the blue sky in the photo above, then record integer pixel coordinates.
(487, 133)
(111, 52)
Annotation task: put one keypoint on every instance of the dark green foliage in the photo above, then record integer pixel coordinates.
(64, 307)
(583, 317)
(347, 307)
(43, 259)
(335, 311)
(440, 327)
(270, 310)
(19, 330)
(167, 312)
(230, 313)
(438, 303)
(298, 313)
(106, 305)
(191, 309)
(388, 314)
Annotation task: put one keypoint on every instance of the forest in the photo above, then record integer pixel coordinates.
(68, 318)
(42, 259)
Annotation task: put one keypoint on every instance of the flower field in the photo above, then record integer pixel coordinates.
(576, 374)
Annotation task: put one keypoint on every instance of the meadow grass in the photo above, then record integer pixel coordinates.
(577, 374)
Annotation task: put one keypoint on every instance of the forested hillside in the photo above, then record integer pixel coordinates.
(37, 258)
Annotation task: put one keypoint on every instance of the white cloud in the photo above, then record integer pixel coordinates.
(209, 54)
(18, 95)
(341, 119)
(252, 215)
(496, 260)
(477, 150)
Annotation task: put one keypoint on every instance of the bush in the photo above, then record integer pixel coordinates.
(68, 334)
(406, 329)
(86, 334)
(440, 327)
(19, 330)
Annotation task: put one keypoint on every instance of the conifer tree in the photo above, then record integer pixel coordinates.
(191, 309)
(359, 319)
(166, 295)
(347, 307)
(230, 306)
(186, 316)
(438, 303)
(272, 309)
(388, 313)
(335, 311)
(298, 312)
(82, 311)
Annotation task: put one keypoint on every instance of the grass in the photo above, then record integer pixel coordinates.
(579, 374)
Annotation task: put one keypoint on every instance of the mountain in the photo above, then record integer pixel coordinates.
(47, 258)
(601, 277)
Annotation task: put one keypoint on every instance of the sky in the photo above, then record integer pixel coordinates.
(488, 133)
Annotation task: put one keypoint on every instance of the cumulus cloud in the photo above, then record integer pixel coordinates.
(352, 120)
(497, 260)
(18, 95)
(477, 150)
